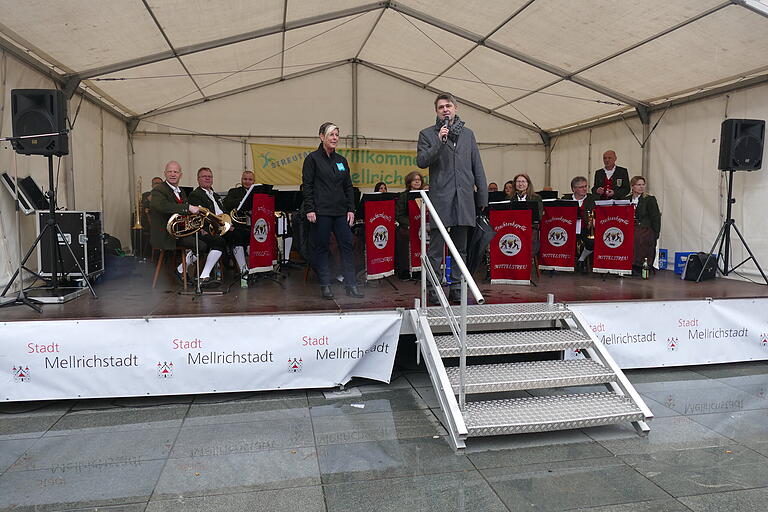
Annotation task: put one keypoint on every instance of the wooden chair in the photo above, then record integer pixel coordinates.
(181, 251)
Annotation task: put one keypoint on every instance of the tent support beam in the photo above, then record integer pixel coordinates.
(509, 52)
(259, 85)
(429, 88)
(217, 43)
(547, 140)
(355, 127)
(717, 91)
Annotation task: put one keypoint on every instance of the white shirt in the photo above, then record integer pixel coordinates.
(578, 218)
(216, 208)
(608, 173)
(176, 190)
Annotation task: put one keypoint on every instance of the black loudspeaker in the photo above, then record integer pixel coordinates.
(39, 111)
(741, 145)
(694, 265)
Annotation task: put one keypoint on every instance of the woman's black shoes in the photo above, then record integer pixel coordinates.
(325, 291)
(352, 291)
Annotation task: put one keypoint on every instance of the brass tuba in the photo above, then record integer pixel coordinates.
(238, 218)
(180, 226)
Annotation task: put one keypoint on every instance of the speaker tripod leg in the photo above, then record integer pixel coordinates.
(74, 258)
(751, 256)
(720, 239)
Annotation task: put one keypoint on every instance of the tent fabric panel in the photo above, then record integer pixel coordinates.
(327, 42)
(148, 87)
(86, 149)
(80, 34)
(508, 78)
(502, 163)
(727, 43)
(290, 108)
(392, 108)
(235, 66)
(117, 188)
(397, 43)
(298, 10)
(592, 29)
(564, 102)
(189, 22)
(481, 21)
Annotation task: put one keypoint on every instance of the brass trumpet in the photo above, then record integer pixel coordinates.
(137, 206)
(180, 226)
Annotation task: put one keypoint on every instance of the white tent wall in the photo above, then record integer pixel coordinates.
(683, 172)
(94, 176)
(390, 114)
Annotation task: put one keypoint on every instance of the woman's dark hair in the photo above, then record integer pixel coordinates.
(412, 176)
(379, 185)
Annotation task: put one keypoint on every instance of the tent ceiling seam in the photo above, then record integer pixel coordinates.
(170, 45)
(505, 50)
(370, 33)
(239, 38)
(432, 89)
(246, 88)
(488, 35)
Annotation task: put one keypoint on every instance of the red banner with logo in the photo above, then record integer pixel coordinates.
(558, 238)
(414, 235)
(262, 250)
(511, 247)
(614, 239)
(379, 239)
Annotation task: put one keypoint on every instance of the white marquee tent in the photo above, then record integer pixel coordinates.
(547, 86)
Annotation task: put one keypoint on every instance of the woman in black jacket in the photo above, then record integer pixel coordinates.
(329, 206)
(647, 223)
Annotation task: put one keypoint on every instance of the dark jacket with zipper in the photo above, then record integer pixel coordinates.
(327, 184)
(647, 213)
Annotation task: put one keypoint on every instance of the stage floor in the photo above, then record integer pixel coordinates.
(131, 296)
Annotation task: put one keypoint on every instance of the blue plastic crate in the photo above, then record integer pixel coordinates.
(680, 259)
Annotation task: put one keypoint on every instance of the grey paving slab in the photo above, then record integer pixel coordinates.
(258, 396)
(96, 485)
(572, 484)
(751, 500)
(754, 384)
(388, 459)
(428, 395)
(418, 379)
(745, 427)
(720, 371)
(377, 426)
(35, 408)
(11, 450)
(26, 426)
(708, 399)
(522, 455)
(664, 378)
(72, 453)
(674, 433)
(703, 471)
(670, 505)
(659, 409)
(129, 507)
(462, 491)
(298, 499)
(522, 441)
(384, 401)
(238, 472)
(232, 438)
(246, 410)
(119, 420)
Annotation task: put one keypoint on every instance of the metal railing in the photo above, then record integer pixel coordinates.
(458, 326)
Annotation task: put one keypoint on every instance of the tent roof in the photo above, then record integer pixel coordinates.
(543, 64)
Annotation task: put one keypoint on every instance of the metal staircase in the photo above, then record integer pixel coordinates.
(491, 332)
(508, 329)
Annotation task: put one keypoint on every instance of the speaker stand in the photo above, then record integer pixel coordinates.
(724, 241)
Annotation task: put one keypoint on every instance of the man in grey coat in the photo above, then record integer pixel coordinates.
(450, 151)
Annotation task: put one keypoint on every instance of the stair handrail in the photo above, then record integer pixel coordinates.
(458, 328)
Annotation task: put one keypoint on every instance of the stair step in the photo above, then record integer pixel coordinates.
(513, 342)
(490, 378)
(501, 313)
(541, 414)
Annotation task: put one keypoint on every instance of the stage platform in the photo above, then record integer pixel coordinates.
(131, 295)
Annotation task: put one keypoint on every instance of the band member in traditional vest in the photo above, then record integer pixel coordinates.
(612, 181)
(168, 198)
(330, 206)
(237, 237)
(585, 246)
(647, 224)
(523, 191)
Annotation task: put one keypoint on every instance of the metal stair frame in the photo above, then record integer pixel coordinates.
(621, 386)
(456, 427)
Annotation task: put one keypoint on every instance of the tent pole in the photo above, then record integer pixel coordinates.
(354, 104)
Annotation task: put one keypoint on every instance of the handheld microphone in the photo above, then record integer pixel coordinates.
(446, 122)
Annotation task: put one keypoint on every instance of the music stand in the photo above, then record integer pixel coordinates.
(286, 202)
(533, 206)
(495, 197)
(246, 205)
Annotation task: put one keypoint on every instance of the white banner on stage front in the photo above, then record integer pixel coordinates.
(654, 334)
(167, 356)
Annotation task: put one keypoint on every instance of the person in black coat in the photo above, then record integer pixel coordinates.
(329, 206)
(612, 181)
(647, 224)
